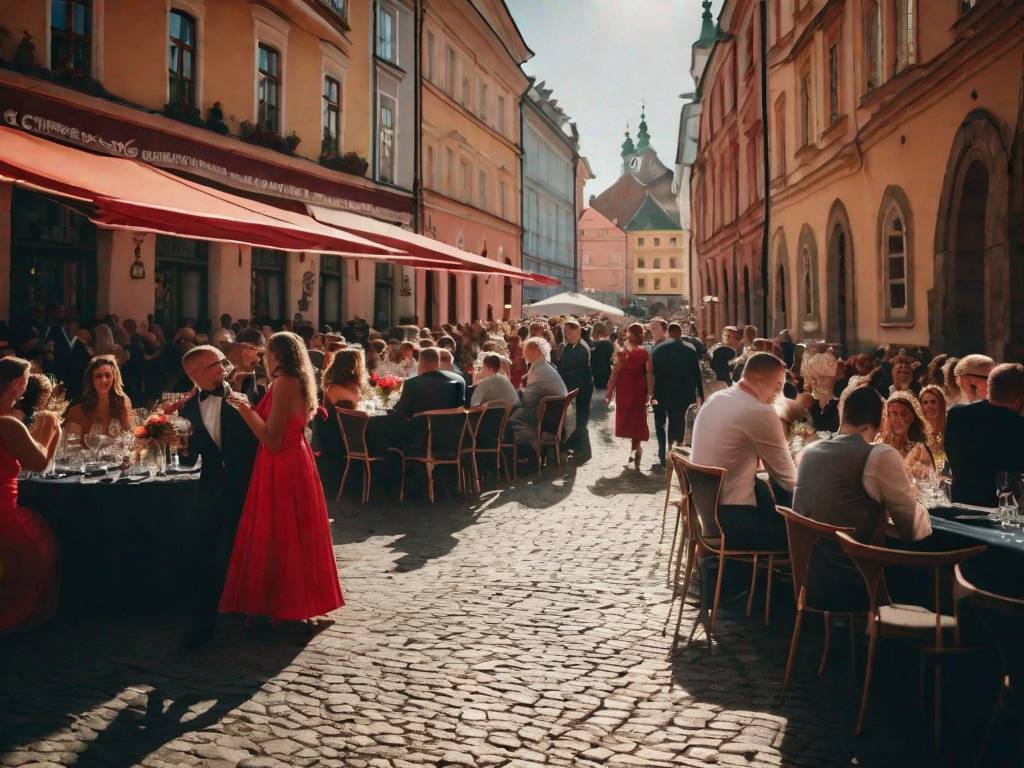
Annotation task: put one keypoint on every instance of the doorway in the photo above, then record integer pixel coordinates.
(180, 281)
(968, 294)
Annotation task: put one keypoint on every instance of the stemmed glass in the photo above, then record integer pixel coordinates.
(93, 440)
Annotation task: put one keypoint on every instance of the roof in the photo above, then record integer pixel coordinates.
(651, 216)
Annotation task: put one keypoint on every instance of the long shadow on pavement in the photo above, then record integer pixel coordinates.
(117, 685)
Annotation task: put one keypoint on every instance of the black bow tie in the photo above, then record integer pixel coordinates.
(205, 393)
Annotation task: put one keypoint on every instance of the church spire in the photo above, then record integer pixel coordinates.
(707, 24)
(627, 146)
(643, 137)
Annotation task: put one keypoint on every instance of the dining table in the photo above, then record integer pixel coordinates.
(1001, 565)
(123, 539)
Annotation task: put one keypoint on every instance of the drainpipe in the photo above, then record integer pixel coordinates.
(417, 183)
(765, 314)
(522, 188)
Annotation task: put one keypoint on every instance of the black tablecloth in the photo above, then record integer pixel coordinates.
(999, 567)
(122, 544)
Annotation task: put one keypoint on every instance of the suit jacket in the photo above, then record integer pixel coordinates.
(982, 439)
(70, 359)
(677, 379)
(574, 366)
(430, 391)
(224, 479)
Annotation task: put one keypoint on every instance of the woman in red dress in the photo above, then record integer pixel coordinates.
(631, 384)
(28, 549)
(282, 565)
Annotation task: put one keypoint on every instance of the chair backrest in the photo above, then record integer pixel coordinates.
(352, 425)
(804, 534)
(445, 430)
(1004, 618)
(704, 486)
(473, 417)
(551, 413)
(491, 425)
(872, 561)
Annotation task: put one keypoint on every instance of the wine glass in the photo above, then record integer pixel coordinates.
(93, 439)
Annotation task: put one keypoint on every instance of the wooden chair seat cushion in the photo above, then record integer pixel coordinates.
(911, 618)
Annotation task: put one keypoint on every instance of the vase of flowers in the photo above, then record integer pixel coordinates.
(385, 387)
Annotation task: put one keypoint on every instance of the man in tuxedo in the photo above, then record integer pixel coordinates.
(986, 437)
(677, 385)
(574, 368)
(228, 449)
(70, 356)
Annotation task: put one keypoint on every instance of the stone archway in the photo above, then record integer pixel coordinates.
(780, 317)
(970, 302)
(841, 318)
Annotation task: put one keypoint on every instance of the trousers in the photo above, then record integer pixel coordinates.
(675, 416)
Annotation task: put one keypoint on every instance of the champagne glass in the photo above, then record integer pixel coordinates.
(92, 441)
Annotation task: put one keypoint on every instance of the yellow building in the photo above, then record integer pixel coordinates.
(263, 98)
(656, 259)
(472, 85)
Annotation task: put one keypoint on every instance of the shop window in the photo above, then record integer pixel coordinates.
(331, 117)
(181, 63)
(383, 294)
(269, 89)
(180, 278)
(71, 37)
(332, 290)
(267, 304)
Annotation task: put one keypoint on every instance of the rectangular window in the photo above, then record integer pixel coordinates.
(499, 117)
(641, 263)
(502, 197)
(181, 59)
(467, 183)
(896, 255)
(431, 45)
(639, 242)
(873, 44)
(805, 108)
(481, 106)
(833, 83)
(611, 279)
(386, 139)
(449, 71)
(657, 242)
(71, 37)
(673, 263)
(269, 88)
(387, 30)
(331, 117)
(466, 94)
(657, 283)
(430, 169)
(449, 179)
(482, 192)
(906, 34)
(641, 283)
(673, 282)
(673, 241)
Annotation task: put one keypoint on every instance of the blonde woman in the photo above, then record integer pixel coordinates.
(933, 406)
(907, 430)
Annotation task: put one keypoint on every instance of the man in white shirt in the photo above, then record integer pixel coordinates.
(735, 428)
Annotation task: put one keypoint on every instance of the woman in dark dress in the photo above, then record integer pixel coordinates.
(601, 356)
(344, 384)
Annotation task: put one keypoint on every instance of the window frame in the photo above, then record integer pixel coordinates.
(906, 34)
(193, 49)
(874, 46)
(327, 108)
(89, 36)
(263, 77)
(805, 104)
(386, 11)
(895, 204)
(379, 143)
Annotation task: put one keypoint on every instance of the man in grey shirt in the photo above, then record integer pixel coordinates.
(541, 381)
(492, 386)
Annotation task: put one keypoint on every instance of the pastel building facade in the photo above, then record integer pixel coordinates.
(603, 258)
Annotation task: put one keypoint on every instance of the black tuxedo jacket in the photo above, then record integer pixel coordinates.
(981, 440)
(677, 381)
(224, 478)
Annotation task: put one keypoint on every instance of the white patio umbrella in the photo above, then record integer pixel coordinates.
(570, 303)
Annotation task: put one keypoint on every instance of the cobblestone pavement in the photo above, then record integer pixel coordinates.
(523, 628)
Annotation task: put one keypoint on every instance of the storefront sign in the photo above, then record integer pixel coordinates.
(43, 115)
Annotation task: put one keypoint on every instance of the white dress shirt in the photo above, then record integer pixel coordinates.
(732, 431)
(209, 410)
(886, 481)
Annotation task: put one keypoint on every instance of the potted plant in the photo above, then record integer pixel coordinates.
(215, 118)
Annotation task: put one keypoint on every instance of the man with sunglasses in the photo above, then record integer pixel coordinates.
(228, 449)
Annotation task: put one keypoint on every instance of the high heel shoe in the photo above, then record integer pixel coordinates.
(636, 458)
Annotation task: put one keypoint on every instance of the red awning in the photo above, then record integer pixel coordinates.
(422, 246)
(121, 193)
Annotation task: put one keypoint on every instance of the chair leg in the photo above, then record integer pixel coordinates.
(344, 477)
(671, 549)
(679, 565)
(793, 641)
(872, 642)
(668, 495)
(515, 462)
(937, 705)
(558, 455)
(718, 594)
(401, 483)
(430, 480)
(367, 479)
(853, 646)
(828, 641)
(476, 473)
(540, 458)
(768, 591)
(753, 586)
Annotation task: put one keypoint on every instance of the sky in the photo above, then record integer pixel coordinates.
(603, 58)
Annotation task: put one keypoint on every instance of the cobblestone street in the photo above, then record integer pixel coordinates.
(518, 630)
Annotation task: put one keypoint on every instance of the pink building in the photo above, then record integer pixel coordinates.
(602, 248)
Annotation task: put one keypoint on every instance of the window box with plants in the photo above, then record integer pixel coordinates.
(256, 134)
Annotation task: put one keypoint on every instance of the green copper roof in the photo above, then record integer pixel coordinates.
(627, 145)
(651, 216)
(643, 137)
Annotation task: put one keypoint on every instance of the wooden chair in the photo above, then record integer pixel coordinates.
(703, 488)
(804, 535)
(485, 427)
(888, 619)
(446, 429)
(352, 425)
(1003, 617)
(550, 425)
(672, 470)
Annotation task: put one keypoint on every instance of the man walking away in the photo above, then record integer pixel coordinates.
(677, 385)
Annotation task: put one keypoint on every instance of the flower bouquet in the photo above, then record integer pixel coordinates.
(157, 427)
(385, 387)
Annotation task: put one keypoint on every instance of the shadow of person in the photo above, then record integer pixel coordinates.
(116, 686)
(628, 481)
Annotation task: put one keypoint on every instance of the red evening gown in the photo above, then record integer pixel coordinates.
(28, 556)
(282, 564)
(630, 396)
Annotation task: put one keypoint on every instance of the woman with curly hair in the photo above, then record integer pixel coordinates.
(36, 397)
(103, 399)
(907, 430)
(282, 565)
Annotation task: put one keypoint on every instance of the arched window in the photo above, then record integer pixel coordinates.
(726, 315)
(746, 295)
(895, 246)
(780, 295)
(808, 278)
